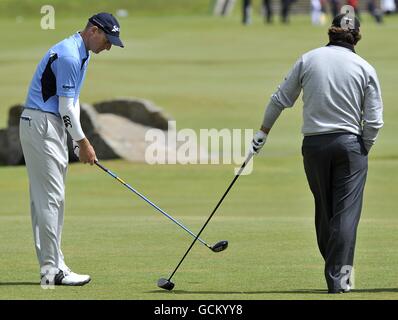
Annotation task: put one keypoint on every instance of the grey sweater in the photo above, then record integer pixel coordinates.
(341, 93)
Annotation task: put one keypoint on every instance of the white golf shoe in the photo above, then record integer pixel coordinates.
(69, 278)
(66, 278)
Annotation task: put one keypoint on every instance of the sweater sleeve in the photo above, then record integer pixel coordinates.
(372, 117)
(285, 96)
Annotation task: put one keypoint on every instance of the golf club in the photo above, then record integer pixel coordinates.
(167, 284)
(219, 246)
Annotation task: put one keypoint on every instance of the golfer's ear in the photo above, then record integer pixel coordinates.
(94, 29)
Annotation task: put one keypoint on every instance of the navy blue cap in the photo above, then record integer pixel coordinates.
(108, 23)
(347, 22)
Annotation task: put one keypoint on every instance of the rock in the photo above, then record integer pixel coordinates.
(14, 114)
(92, 129)
(137, 110)
(3, 146)
(126, 138)
(11, 150)
(14, 148)
(115, 128)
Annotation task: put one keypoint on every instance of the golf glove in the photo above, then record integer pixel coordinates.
(76, 148)
(258, 141)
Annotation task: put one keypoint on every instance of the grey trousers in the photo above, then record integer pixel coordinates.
(43, 140)
(336, 167)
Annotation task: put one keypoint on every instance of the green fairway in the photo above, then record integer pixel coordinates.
(205, 72)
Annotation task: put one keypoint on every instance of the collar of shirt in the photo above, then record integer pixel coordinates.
(341, 44)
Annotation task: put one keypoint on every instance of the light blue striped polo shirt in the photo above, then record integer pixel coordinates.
(61, 72)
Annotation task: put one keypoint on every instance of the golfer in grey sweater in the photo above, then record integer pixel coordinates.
(342, 115)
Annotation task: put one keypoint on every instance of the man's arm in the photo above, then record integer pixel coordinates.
(284, 97)
(70, 114)
(67, 71)
(372, 119)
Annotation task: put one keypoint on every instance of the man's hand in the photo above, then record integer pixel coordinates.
(258, 141)
(84, 151)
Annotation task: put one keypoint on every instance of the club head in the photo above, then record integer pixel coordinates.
(165, 284)
(220, 246)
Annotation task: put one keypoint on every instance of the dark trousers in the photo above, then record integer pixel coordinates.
(267, 7)
(285, 7)
(336, 167)
(246, 11)
(267, 10)
(335, 7)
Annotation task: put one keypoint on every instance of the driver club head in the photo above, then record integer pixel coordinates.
(165, 284)
(220, 246)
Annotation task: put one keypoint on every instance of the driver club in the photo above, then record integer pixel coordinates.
(217, 247)
(167, 284)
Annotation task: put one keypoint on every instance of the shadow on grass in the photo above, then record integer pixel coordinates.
(303, 291)
(375, 290)
(21, 283)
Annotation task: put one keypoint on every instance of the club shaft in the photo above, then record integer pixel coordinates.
(214, 210)
(151, 203)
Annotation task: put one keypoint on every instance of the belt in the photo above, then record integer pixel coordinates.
(53, 113)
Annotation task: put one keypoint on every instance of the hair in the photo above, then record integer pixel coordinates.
(88, 25)
(341, 35)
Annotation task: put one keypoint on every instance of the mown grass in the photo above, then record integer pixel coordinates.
(206, 73)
